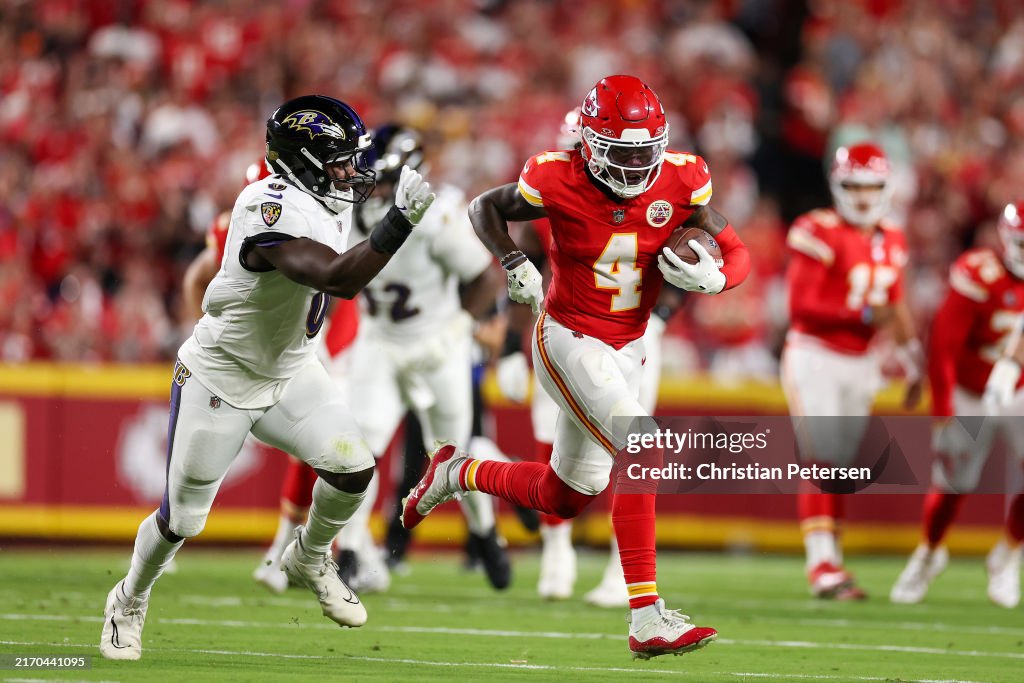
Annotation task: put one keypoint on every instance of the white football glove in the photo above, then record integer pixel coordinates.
(1001, 385)
(513, 376)
(950, 438)
(526, 286)
(703, 276)
(413, 196)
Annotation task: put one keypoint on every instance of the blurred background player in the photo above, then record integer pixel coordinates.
(609, 234)
(558, 557)
(414, 347)
(845, 280)
(250, 365)
(973, 338)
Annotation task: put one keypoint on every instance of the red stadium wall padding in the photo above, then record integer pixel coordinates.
(88, 460)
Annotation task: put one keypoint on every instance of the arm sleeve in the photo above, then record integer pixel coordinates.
(805, 277)
(949, 332)
(735, 255)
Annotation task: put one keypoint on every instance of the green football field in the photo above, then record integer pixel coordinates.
(209, 621)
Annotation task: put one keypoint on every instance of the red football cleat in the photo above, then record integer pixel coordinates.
(665, 632)
(435, 487)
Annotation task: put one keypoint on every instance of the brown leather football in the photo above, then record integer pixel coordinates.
(678, 243)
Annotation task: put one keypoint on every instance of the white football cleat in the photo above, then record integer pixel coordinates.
(924, 565)
(270, 576)
(372, 574)
(337, 601)
(557, 562)
(1003, 565)
(123, 619)
(611, 592)
(438, 485)
(654, 630)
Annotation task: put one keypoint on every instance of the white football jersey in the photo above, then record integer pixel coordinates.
(260, 328)
(417, 292)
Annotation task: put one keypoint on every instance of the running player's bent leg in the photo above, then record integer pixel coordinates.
(202, 442)
(310, 421)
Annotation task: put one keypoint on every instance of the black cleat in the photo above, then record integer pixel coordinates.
(492, 554)
(529, 518)
(348, 565)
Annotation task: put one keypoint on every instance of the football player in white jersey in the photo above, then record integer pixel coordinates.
(413, 351)
(250, 365)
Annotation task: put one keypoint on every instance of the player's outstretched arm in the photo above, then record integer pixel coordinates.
(316, 265)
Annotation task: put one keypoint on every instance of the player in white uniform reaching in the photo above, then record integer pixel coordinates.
(250, 365)
(414, 347)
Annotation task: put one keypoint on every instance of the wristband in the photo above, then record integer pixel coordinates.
(512, 259)
(391, 232)
(663, 311)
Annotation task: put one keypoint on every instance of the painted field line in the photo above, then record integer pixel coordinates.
(640, 668)
(793, 644)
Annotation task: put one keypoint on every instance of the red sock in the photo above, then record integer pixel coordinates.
(529, 484)
(542, 452)
(633, 521)
(940, 509)
(818, 511)
(1015, 519)
(297, 487)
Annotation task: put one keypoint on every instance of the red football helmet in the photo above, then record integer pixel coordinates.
(1011, 234)
(569, 131)
(624, 134)
(860, 183)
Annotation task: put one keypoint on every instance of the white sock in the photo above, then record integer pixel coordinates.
(331, 510)
(283, 536)
(478, 509)
(483, 448)
(641, 614)
(613, 570)
(821, 547)
(356, 534)
(151, 556)
(557, 534)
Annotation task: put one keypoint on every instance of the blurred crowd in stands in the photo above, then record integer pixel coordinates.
(127, 125)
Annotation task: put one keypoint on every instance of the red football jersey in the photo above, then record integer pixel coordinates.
(603, 253)
(836, 270)
(972, 327)
(217, 234)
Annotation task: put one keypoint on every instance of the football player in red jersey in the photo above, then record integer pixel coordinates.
(845, 279)
(973, 373)
(612, 206)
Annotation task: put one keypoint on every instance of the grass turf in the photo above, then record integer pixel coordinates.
(209, 621)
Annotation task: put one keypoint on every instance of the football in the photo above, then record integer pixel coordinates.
(678, 242)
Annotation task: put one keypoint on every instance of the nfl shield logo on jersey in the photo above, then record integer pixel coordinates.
(215, 402)
(618, 215)
(271, 212)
